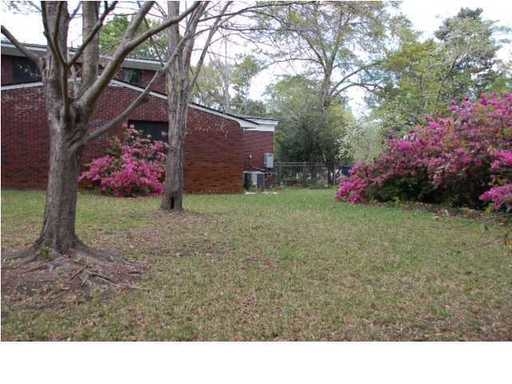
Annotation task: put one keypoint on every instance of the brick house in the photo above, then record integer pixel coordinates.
(219, 147)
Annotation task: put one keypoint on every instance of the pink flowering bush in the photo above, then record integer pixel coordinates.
(462, 160)
(501, 194)
(133, 166)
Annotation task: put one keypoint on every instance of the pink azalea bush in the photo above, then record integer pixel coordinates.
(133, 166)
(501, 194)
(463, 160)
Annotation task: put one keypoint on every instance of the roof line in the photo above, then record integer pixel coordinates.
(129, 62)
(252, 124)
(244, 123)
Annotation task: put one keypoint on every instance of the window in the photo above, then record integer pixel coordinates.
(156, 129)
(24, 70)
(131, 76)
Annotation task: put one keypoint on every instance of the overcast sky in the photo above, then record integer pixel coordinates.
(426, 17)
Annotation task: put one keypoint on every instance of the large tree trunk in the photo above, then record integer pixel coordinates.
(66, 125)
(58, 233)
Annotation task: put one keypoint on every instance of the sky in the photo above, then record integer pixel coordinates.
(426, 16)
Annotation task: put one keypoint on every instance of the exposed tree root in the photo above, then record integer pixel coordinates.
(41, 276)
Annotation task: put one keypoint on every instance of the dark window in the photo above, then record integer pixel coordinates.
(24, 70)
(156, 129)
(131, 76)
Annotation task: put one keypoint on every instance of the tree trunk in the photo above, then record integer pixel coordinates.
(58, 233)
(177, 102)
(172, 199)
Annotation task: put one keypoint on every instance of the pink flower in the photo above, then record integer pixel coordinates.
(500, 196)
(136, 167)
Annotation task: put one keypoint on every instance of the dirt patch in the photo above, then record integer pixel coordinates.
(65, 279)
(75, 278)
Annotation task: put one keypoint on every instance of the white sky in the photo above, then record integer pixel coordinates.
(426, 17)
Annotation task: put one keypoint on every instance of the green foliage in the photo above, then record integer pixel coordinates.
(363, 141)
(112, 32)
(209, 87)
(242, 73)
(423, 78)
(306, 132)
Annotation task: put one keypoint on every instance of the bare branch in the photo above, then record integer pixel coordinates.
(159, 28)
(35, 58)
(370, 87)
(75, 11)
(51, 43)
(251, 9)
(355, 72)
(127, 45)
(135, 103)
(212, 32)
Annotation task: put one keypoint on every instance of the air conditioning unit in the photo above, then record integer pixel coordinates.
(268, 159)
(254, 179)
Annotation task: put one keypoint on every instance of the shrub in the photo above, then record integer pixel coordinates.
(501, 193)
(133, 166)
(453, 160)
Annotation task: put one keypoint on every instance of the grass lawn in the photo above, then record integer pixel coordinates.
(291, 266)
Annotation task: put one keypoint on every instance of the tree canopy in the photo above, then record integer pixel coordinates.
(424, 77)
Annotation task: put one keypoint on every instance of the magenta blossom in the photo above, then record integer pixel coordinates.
(457, 159)
(134, 167)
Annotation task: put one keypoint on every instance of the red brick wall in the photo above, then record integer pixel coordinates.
(158, 85)
(256, 144)
(213, 145)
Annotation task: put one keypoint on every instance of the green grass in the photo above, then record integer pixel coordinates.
(291, 266)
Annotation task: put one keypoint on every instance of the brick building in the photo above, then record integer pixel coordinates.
(219, 147)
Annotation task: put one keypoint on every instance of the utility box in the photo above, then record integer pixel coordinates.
(268, 160)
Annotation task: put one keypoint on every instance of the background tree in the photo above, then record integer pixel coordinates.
(210, 85)
(242, 73)
(338, 43)
(423, 78)
(218, 77)
(338, 46)
(302, 134)
(179, 85)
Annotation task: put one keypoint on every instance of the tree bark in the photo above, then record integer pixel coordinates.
(58, 234)
(66, 123)
(172, 199)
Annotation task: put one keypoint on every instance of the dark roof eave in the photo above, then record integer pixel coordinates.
(9, 49)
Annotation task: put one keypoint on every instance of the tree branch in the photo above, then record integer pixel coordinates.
(159, 28)
(35, 58)
(51, 43)
(134, 104)
(355, 72)
(212, 32)
(127, 45)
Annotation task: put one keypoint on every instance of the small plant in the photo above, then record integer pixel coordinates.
(133, 166)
